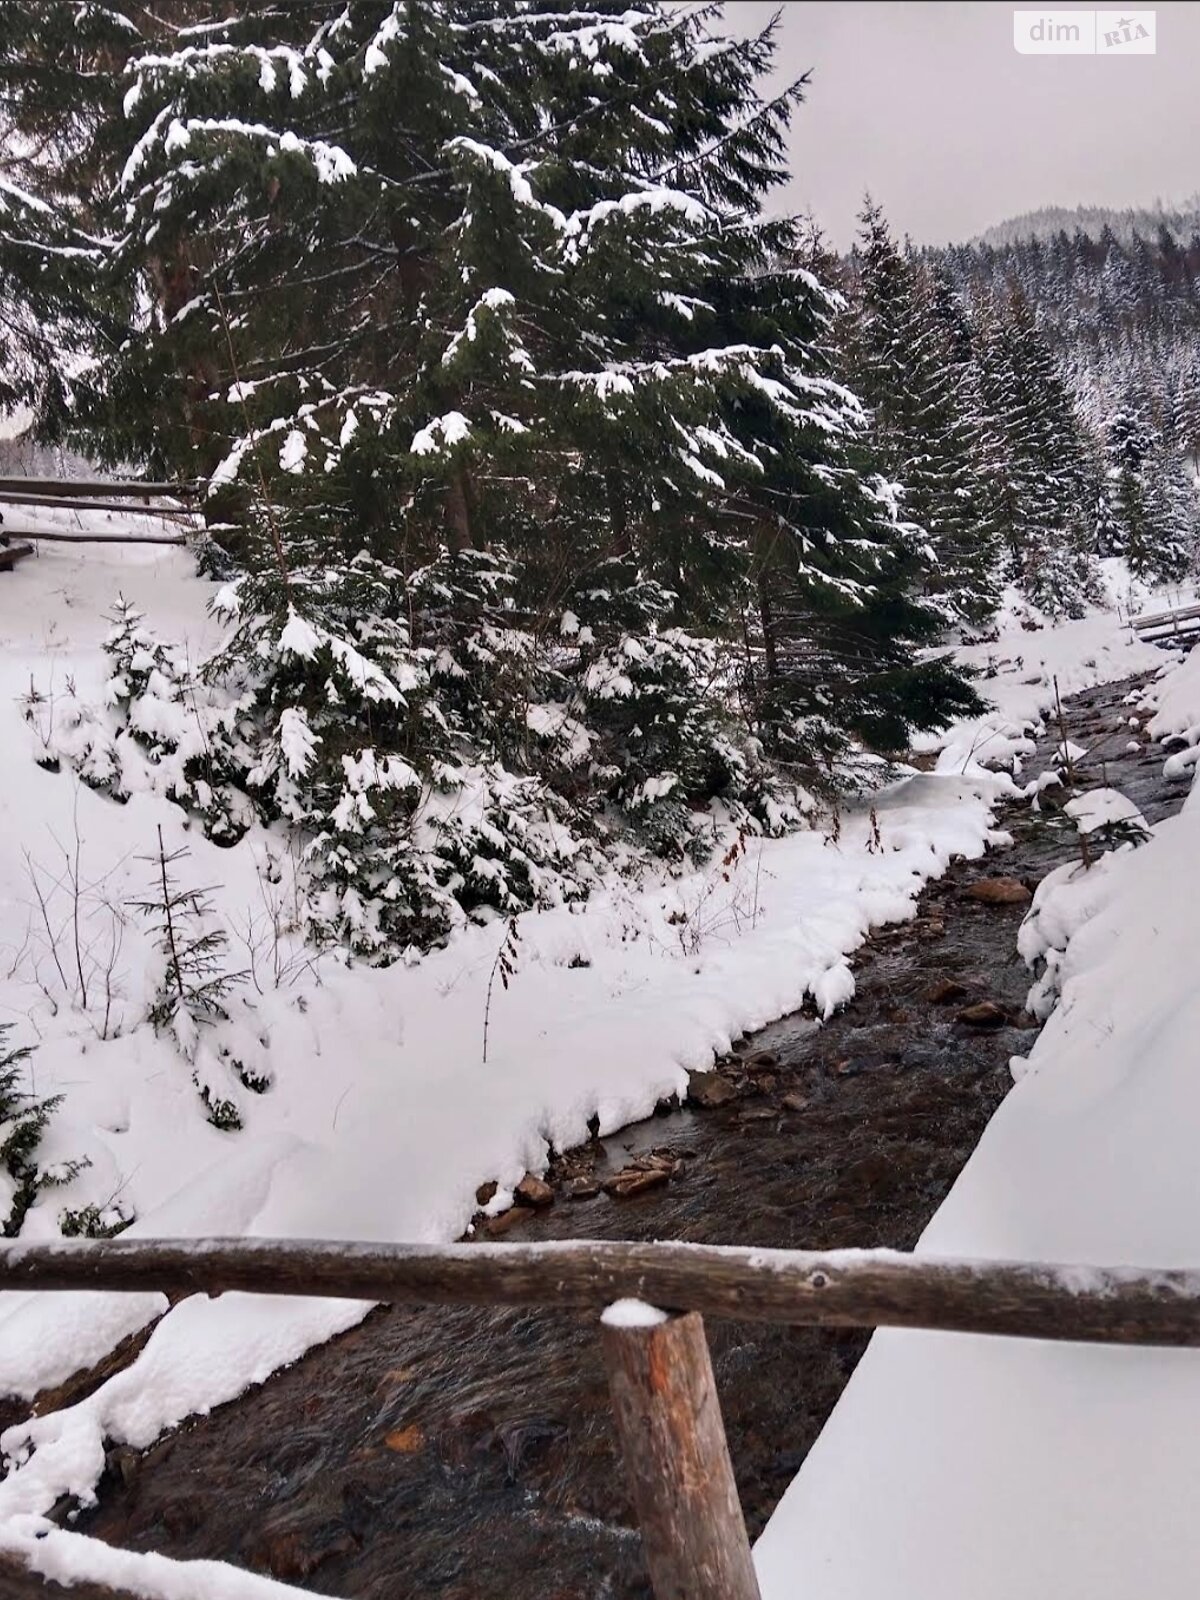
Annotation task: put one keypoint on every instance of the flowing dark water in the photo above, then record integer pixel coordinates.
(469, 1455)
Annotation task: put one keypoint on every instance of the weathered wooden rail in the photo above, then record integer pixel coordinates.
(128, 507)
(841, 1288)
(10, 554)
(85, 536)
(1174, 626)
(86, 488)
(653, 1296)
(90, 494)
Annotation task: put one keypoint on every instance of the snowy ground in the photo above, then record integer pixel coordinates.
(382, 1118)
(1022, 669)
(959, 1466)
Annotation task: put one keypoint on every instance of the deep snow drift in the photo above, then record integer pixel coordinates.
(380, 1117)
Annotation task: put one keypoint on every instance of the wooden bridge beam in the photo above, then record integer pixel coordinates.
(840, 1288)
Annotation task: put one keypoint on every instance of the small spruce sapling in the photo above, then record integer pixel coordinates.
(23, 1121)
(94, 1221)
(196, 982)
(1120, 831)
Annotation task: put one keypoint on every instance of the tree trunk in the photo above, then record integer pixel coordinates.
(766, 619)
(458, 511)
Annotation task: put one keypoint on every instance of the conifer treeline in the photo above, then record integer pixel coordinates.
(556, 527)
(1120, 314)
(1120, 307)
(971, 417)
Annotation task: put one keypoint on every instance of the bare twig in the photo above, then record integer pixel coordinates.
(505, 967)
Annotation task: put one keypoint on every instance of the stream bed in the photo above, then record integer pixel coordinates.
(469, 1454)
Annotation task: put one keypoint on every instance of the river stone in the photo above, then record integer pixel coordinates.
(984, 1014)
(710, 1089)
(943, 991)
(534, 1191)
(124, 1461)
(999, 892)
(631, 1181)
(512, 1218)
(406, 1441)
(294, 1548)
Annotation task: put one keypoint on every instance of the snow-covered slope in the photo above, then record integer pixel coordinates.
(381, 1116)
(1176, 719)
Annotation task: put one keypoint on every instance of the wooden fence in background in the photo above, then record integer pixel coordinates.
(660, 1376)
(1178, 626)
(18, 496)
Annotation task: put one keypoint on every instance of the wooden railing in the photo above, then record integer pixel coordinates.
(1167, 627)
(653, 1297)
(90, 494)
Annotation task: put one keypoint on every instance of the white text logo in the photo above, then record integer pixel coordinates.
(1084, 33)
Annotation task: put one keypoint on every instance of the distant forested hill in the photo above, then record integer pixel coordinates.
(1181, 220)
(1117, 294)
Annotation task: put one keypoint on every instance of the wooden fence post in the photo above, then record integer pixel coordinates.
(676, 1458)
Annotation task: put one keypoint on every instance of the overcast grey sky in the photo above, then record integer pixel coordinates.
(931, 108)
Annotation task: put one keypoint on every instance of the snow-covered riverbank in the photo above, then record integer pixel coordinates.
(382, 1117)
(961, 1466)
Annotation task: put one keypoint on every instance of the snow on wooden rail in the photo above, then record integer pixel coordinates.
(78, 507)
(86, 536)
(1178, 622)
(1151, 619)
(841, 1288)
(86, 488)
(83, 495)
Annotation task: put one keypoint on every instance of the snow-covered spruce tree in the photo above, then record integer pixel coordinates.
(908, 365)
(1153, 500)
(472, 318)
(196, 980)
(145, 692)
(832, 609)
(1044, 482)
(383, 712)
(1175, 508)
(1187, 413)
(949, 309)
(1109, 540)
(151, 730)
(60, 129)
(1128, 447)
(961, 341)
(839, 602)
(23, 1120)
